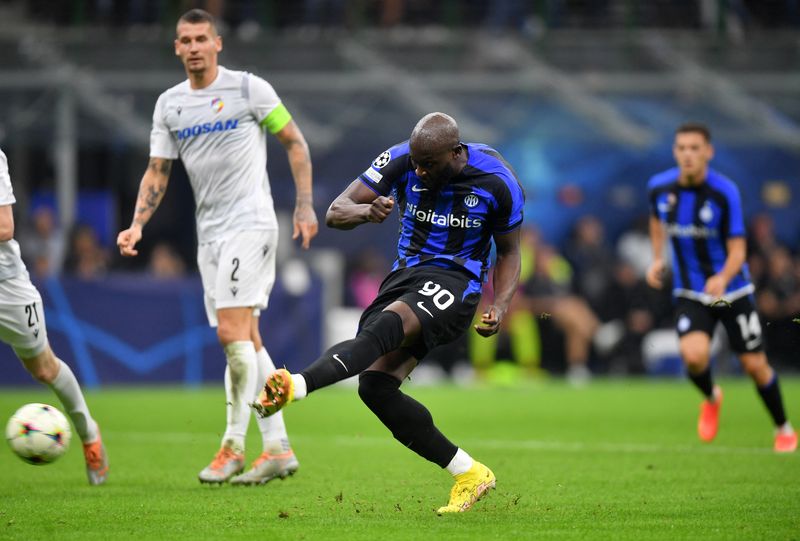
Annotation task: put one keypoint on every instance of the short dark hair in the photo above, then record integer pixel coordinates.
(695, 127)
(198, 16)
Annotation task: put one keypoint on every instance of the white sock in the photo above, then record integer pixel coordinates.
(68, 391)
(461, 463)
(300, 386)
(240, 388)
(273, 429)
(786, 428)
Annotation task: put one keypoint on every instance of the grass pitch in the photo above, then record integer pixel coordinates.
(616, 460)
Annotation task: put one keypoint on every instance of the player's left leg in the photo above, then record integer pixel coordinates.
(412, 425)
(384, 334)
(743, 326)
(277, 459)
(766, 380)
(23, 327)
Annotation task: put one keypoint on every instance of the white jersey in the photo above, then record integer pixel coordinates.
(10, 260)
(218, 132)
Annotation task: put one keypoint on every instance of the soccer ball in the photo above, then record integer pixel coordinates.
(38, 433)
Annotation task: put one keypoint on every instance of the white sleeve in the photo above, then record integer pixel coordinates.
(162, 143)
(6, 192)
(262, 97)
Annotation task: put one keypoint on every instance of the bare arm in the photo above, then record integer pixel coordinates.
(737, 252)
(505, 281)
(655, 272)
(356, 205)
(151, 192)
(305, 220)
(6, 223)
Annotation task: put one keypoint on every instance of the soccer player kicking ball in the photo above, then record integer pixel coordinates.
(217, 121)
(23, 328)
(453, 198)
(700, 211)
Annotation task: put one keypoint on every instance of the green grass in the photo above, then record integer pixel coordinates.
(616, 460)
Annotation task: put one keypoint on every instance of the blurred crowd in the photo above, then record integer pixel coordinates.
(48, 251)
(584, 308)
(524, 15)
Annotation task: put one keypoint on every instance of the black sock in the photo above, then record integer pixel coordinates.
(410, 422)
(352, 357)
(771, 395)
(703, 382)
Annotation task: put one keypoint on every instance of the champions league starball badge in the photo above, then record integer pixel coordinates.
(382, 160)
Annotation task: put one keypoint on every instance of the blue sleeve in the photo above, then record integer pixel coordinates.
(651, 198)
(735, 223)
(386, 170)
(510, 201)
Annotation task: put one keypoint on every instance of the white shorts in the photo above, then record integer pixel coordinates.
(22, 323)
(238, 271)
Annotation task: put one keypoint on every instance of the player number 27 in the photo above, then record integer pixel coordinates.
(441, 297)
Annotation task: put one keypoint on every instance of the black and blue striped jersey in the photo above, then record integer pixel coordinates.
(698, 220)
(452, 226)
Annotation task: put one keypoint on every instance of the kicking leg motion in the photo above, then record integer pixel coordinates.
(377, 347)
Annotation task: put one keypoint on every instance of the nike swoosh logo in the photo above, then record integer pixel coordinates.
(422, 306)
(416, 188)
(336, 356)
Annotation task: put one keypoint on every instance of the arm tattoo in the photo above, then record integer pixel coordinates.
(147, 204)
(160, 166)
(150, 196)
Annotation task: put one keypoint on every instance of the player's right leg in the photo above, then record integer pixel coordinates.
(695, 324)
(385, 333)
(695, 348)
(241, 383)
(381, 330)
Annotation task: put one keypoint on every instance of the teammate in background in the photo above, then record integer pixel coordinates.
(216, 122)
(453, 198)
(22, 327)
(700, 212)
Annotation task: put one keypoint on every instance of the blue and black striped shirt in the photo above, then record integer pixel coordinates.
(452, 226)
(698, 221)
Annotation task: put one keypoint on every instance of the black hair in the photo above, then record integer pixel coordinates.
(695, 127)
(198, 16)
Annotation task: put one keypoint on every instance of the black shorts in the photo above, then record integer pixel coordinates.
(441, 298)
(739, 318)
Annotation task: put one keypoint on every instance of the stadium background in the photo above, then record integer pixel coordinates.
(582, 97)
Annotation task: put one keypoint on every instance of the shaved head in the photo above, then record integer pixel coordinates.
(435, 150)
(434, 133)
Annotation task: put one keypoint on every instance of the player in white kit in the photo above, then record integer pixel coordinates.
(216, 122)
(23, 328)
